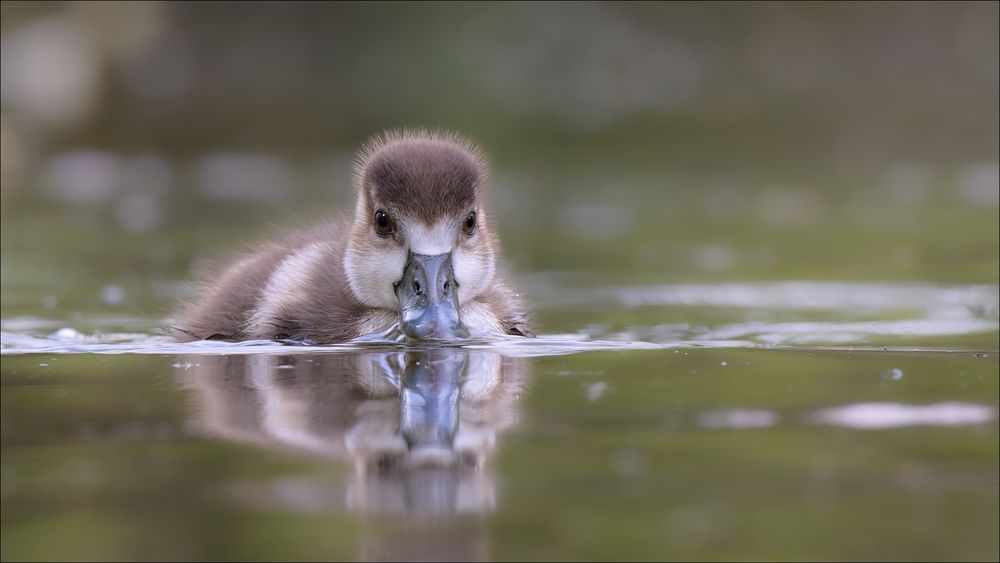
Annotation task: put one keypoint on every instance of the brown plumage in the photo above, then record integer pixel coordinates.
(338, 281)
(409, 169)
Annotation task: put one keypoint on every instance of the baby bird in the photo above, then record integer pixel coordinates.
(417, 262)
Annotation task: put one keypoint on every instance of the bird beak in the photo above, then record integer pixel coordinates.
(428, 299)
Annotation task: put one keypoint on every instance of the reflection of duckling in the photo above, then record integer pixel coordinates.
(419, 254)
(419, 425)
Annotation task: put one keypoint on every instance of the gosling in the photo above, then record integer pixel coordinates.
(417, 262)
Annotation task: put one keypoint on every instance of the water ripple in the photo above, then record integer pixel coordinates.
(907, 317)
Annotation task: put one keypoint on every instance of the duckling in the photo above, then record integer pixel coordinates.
(418, 260)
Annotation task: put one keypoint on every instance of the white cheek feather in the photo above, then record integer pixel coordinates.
(371, 274)
(473, 272)
(436, 239)
(479, 320)
(285, 287)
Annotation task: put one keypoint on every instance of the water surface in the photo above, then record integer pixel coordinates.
(783, 420)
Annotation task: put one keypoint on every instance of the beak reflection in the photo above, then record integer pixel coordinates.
(419, 426)
(429, 404)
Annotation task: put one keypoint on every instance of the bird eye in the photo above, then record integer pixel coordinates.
(469, 225)
(383, 224)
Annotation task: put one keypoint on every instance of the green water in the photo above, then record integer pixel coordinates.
(672, 454)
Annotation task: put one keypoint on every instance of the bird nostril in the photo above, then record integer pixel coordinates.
(416, 286)
(447, 286)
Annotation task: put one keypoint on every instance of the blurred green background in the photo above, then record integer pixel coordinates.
(630, 142)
